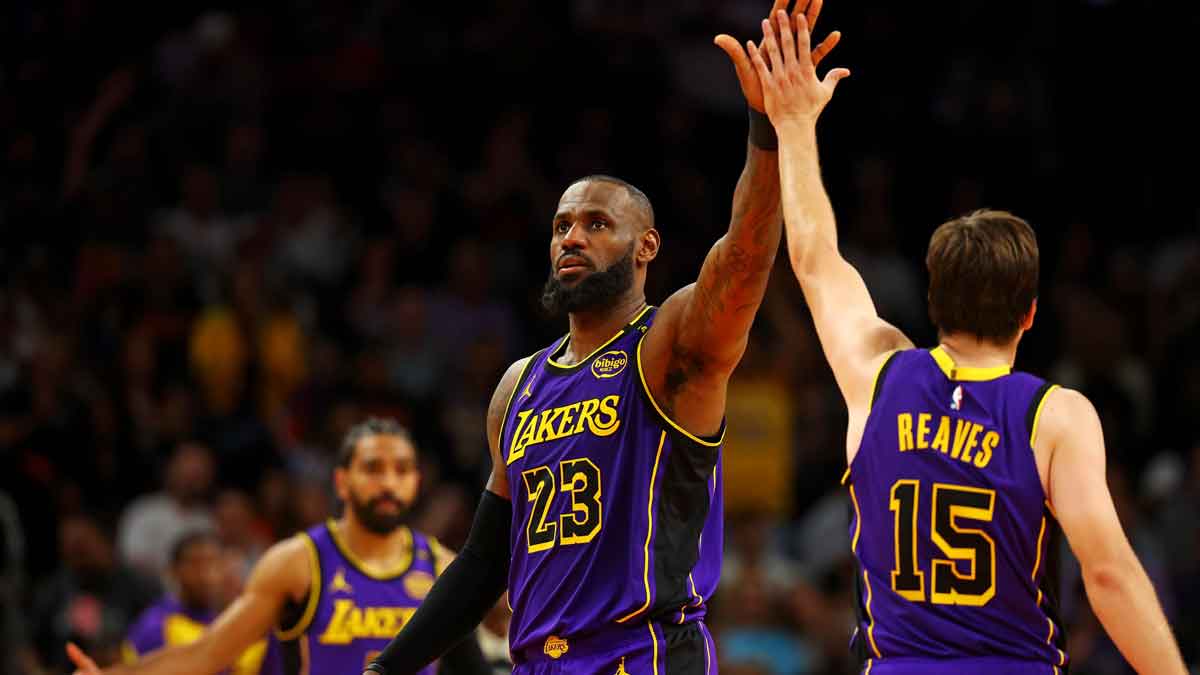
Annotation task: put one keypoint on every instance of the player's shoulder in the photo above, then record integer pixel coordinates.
(289, 557)
(504, 392)
(515, 369)
(149, 621)
(673, 307)
(1060, 410)
(508, 382)
(442, 555)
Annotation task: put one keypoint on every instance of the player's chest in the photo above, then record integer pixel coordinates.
(555, 416)
(356, 607)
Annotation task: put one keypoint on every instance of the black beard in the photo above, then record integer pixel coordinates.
(375, 521)
(598, 290)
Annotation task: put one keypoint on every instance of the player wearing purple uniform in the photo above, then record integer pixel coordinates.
(602, 516)
(959, 469)
(335, 594)
(355, 607)
(198, 571)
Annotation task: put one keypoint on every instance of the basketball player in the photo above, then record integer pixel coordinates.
(199, 572)
(959, 468)
(603, 513)
(336, 593)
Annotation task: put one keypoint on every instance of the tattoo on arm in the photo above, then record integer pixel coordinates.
(734, 277)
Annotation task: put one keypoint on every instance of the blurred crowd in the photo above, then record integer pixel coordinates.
(229, 232)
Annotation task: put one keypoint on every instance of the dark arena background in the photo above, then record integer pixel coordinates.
(231, 231)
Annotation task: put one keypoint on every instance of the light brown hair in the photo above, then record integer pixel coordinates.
(983, 275)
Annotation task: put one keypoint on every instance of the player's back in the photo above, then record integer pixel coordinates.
(951, 526)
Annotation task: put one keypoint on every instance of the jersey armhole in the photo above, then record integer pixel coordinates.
(1034, 415)
(442, 556)
(712, 441)
(880, 375)
(287, 633)
(876, 388)
(525, 372)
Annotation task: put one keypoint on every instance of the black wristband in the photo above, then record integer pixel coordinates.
(461, 596)
(762, 132)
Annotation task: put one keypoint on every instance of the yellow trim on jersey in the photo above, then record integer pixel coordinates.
(875, 380)
(442, 556)
(1037, 415)
(966, 373)
(691, 579)
(384, 575)
(649, 530)
(707, 655)
(845, 476)
(866, 579)
(1050, 622)
(551, 361)
(1038, 560)
(870, 662)
(663, 415)
(314, 593)
(511, 394)
(654, 639)
(690, 603)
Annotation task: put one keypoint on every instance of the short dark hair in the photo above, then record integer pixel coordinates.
(372, 426)
(983, 275)
(189, 539)
(638, 196)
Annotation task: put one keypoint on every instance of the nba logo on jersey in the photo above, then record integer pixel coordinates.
(956, 398)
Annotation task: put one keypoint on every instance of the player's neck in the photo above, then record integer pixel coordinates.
(971, 352)
(382, 551)
(591, 329)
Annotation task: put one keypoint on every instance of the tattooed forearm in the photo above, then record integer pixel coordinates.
(734, 277)
(713, 329)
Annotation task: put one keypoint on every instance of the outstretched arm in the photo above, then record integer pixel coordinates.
(701, 332)
(855, 339)
(1117, 586)
(470, 586)
(282, 573)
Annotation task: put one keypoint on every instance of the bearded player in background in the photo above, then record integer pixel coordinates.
(336, 593)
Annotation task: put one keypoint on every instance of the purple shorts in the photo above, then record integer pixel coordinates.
(644, 649)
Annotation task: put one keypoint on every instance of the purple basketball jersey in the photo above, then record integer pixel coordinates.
(616, 509)
(351, 612)
(169, 623)
(951, 525)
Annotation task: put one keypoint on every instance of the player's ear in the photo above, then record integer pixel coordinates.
(648, 246)
(1027, 320)
(340, 483)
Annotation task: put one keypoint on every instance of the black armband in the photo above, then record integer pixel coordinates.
(460, 598)
(762, 132)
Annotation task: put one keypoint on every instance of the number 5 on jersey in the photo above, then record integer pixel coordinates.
(949, 504)
(581, 478)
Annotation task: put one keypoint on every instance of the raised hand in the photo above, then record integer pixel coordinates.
(787, 71)
(809, 10)
(83, 663)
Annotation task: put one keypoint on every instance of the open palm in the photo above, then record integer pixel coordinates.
(83, 663)
(787, 72)
(809, 10)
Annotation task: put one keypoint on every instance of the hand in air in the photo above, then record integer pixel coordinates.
(809, 10)
(787, 71)
(83, 663)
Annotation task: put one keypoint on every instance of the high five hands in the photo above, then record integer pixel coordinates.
(778, 76)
